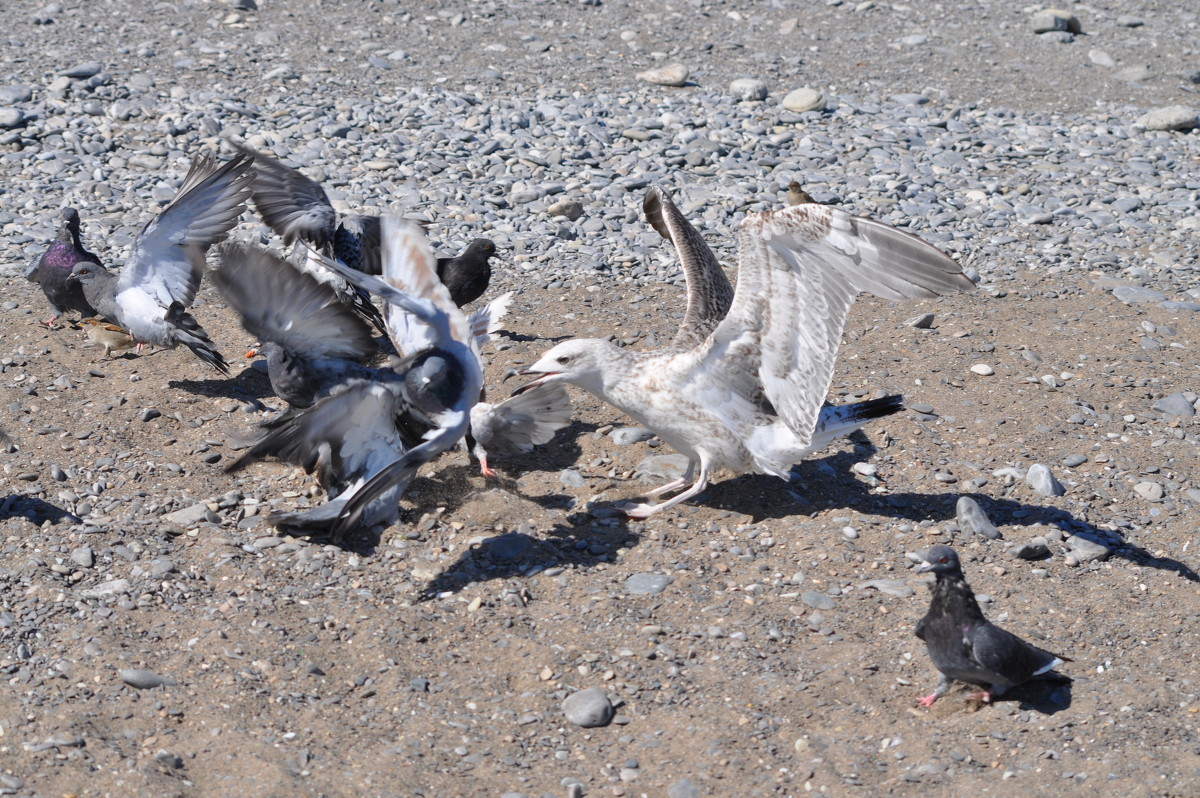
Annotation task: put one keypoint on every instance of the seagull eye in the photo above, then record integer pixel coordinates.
(564, 360)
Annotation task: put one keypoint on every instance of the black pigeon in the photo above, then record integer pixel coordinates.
(298, 209)
(467, 275)
(160, 279)
(313, 343)
(963, 644)
(52, 268)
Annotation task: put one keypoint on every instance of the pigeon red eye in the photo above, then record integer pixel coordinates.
(944, 560)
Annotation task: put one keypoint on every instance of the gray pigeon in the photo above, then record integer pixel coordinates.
(963, 644)
(298, 209)
(53, 268)
(517, 424)
(352, 438)
(313, 343)
(162, 275)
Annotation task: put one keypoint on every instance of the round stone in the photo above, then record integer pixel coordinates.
(983, 370)
(748, 89)
(804, 99)
(588, 708)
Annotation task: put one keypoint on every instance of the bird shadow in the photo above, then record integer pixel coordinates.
(523, 338)
(1047, 696)
(828, 483)
(579, 541)
(16, 505)
(562, 452)
(248, 386)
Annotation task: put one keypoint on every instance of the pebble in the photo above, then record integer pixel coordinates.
(1035, 549)
(922, 322)
(670, 75)
(571, 478)
(1101, 58)
(817, 600)
(983, 370)
(588, 708)
(1042, 480)
(144, 680)
(683, 789)
(11, 118)
(1171, 117)
(1075, 460)
(804, 99)
(189, 516)
(892, 587)
(972, 520)
(15, 93)
(748, 89)
(84, 70)
(1085, 548)
(624, 436)
(661, 467)
(1055, 19)
(647, 584)
(1150, 491)
(1176, 404)
(571, 209)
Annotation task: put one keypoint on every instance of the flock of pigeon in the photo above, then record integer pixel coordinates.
(741, 386)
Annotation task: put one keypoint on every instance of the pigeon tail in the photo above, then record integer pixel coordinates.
(189, 332)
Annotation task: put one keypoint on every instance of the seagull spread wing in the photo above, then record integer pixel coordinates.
(485, 321)
(293, 205)
(278, 303)
(167, 260)
(709, 293)
(521, 422)
(799, 270)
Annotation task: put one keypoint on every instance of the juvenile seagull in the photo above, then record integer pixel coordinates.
(963, 644)
(313, 343)
(53, 268)
(162, 275)
(750, 396)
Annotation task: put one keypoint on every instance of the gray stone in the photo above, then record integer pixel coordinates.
(84, 70)
(1171, 117)
(624, 436)
(683, 789)
(670, 75)
(647, 584)
(817, 600)
(188, 516)
(1042, 480)
(16, 93)
(588, 708)
(748, 89)
(1175, 404)
(1085, 548)
(571, 209)
(1137, 295)
(83, 557)
(1101, 58)
(1150, 491)
(922, 322)
(571, 478)
(1133, 74)
(1033, 550)
(804, 99)
(144, 680)
(1055, 19)
(1075, 460)
(108, 588)
(971, 519)
(892, 587)
(11, 118)
(662, 467)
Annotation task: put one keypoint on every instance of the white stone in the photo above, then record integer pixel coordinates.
(804, 99)
(983, 370)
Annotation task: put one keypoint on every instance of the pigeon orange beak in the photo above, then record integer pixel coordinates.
(252, 352)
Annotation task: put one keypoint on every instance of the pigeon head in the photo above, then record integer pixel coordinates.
(579, 361)
(481, 247)
(939, 560)
(70, 221)
(85, 272)
(437, 375)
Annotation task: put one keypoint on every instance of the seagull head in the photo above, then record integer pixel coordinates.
(580, 361)
(939, 560)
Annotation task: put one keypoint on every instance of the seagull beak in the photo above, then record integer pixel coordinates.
(542, 377)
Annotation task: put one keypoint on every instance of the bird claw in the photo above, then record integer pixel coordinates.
(638, 509)
(485, 471)
(927, 701)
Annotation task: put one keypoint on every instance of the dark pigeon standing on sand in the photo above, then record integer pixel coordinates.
(963, 644)
(466, 276)
(162, 275)
(53, 268)
(313, 343)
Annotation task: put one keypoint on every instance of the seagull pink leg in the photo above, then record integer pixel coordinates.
(639, 510)
(483, 467)
(675, 484)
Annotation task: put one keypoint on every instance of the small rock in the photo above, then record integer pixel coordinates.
(804, 99)
(661, 467)
(571, 209)
(624, 436)
(588, 708)
(971, 519)
(983, 370)
(1150, 491)
(683, 789)
(188, 516)
(670, 75)
(818, 601)
(1101, 58)
(84, 70)
(1137, 295)
(11, 118)
(647, 584)
(1075, 460)
(922, 322)
(748, 89)
(16, 93)
(144, 680)
(571, 478)
(1175, 405)
(892, 587)
(1171, 117)
(1033, 550)
(1085, 548)
(83, 557)
(1055, 19)
(1042, 480)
